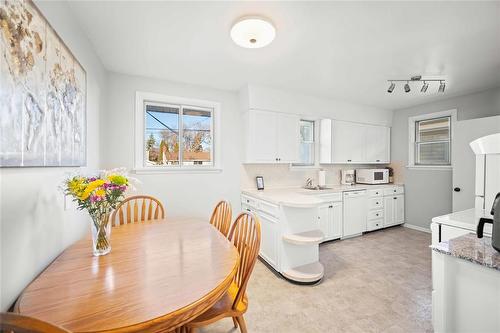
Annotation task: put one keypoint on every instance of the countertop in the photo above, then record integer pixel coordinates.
(465, 219)
(471, 248)
(300, 197)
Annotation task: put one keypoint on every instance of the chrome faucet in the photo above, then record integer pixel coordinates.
(309, 182)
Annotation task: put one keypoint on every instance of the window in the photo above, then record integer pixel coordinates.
(430, 141)
(306, 147)
(174, 133)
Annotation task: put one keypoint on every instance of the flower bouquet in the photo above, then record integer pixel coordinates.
(99, 196)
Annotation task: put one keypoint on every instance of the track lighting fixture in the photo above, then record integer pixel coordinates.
(424, 87)
(391, 87)
(417, 78)
(441, 87)
(407, 87)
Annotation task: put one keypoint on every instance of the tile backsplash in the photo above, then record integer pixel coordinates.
(282, 175)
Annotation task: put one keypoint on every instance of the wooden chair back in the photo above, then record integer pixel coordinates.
(16, 323)
(221, 217)
(137, 209)
(245, 236)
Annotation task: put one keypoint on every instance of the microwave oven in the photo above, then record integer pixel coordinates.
(372, 176)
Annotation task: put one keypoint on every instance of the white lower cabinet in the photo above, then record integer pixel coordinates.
(269, 239)
(330, 220)
(394, 210)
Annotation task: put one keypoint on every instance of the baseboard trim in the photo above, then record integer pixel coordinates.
(416, 227)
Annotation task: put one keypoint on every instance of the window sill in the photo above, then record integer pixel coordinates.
(304, 167)
(429, 167)
(145, 171)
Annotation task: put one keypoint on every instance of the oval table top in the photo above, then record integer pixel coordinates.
(158, 276)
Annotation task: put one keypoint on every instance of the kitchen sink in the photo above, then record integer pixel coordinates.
(317, 188)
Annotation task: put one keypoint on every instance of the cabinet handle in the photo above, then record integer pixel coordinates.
(376, 203)
(330, 206)
(248, 201)
(394, 191)
(349, 160)
(376, 214)
(378, 160)
(395, 198)
(248, 210)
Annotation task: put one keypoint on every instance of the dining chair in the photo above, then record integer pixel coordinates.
(15, 323)
(137, 209)
(245, 236)
(221, 217)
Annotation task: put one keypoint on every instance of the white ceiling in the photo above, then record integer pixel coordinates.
(339, 50)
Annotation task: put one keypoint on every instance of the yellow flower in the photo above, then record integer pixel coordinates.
(117, 179)
(100, 192)
(91, 187)
(75, 186)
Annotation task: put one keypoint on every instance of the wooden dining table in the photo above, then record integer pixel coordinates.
(158, 276)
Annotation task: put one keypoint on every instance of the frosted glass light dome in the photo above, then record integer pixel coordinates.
(253, 32)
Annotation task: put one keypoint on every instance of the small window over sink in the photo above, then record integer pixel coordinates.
(306, 143)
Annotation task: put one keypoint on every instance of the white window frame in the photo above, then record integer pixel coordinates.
(298, 166)
(139, 133)
(411, 138)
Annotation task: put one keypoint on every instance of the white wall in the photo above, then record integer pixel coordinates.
(429, 192)
(266, 98)
(184, 194)
(34, 226)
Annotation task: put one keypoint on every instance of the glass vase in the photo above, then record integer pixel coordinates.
(101, 233)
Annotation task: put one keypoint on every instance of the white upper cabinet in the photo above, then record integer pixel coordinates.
(377, 143)
(343, 142)
(271, 137)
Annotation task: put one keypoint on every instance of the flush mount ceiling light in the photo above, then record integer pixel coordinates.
(417, 78)
(253, 32)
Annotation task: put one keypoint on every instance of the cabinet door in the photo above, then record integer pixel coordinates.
(399, 209)
(336, 220)
(388, 211)
(269, 239)
(377, 143)
(348, 142)
(324, 220)
(287, 127)
(262, 137)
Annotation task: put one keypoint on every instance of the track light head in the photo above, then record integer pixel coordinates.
(424, 87)
(391, 88)
(442, 85)
(407, 87)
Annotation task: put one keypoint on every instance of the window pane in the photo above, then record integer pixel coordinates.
(306, 147)
(433, 130)
(306, 131)
(435, 153)
(197, 136)
(306, 153)
(161, 135)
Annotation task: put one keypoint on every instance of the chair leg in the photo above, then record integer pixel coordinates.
(235, 322)
(241, 322)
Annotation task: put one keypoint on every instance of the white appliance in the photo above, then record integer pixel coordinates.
(355, 213)
(487, 150)
(347, 177)
(372, 176)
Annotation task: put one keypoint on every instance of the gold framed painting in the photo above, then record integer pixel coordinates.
(43, 92)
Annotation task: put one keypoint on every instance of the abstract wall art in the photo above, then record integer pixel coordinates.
(42, 92)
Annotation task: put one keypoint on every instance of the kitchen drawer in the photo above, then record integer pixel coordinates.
(246, 208)
(376, 203)
(374, 224)
(376, 214)
(375, 193)
(249, 201)
(269, 208)
(394, 190)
